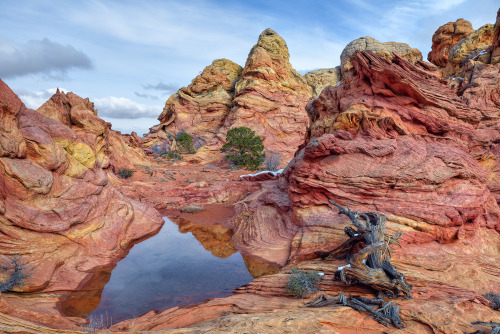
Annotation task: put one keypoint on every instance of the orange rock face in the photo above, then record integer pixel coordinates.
(473, 48)
(58, 210)
(378, 118)
(268, 96)
(97, 145)
(445, 38)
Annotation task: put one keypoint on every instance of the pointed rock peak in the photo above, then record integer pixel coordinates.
(273, 43)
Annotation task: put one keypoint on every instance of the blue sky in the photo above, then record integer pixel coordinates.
(128, 57)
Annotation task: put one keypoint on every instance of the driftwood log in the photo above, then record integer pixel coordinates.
(368, 253)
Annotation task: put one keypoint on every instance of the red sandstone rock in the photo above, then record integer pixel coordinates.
(270, 97)
(97, 144)
(57, 208)
(445, 38)
(385, 50)
(495, 47)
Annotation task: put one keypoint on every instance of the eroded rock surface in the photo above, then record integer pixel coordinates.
(267, 95)
(321, 78)
(199, 109)
(475, 47)
(58, 210)
(384, 50)
(445, 38)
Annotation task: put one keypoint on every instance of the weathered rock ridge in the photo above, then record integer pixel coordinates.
(384, 50)
(58, 210)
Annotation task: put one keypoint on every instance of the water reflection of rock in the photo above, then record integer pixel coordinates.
(83, 302)
(217, 239)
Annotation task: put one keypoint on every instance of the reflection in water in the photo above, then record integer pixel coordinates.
(170, 269)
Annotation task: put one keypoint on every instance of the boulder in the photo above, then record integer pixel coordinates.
(385, 50)
(474, 47)
(321, 78)
(445, 38)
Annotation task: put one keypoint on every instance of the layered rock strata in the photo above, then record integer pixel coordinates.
(270, 97)
(58, 210)
(267, 95)
(385, 50)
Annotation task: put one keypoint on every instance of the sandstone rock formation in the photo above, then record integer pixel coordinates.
(268, 96)
(380, 111)
(473, 47)
(201, 108)
(58, 210)
(321, 78)
(100, 146)
(384, 50)
(445, 38)
(495, 47)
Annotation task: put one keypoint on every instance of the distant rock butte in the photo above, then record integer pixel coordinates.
(99, 146)
(385, 50)
(445, 38)
(321, 78)
(58, 210)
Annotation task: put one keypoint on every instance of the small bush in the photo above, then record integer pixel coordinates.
(244, 148)
(302, 282)
(16, 273)
(272, 160)
(125, 173)
(184, 143)
(172, 156)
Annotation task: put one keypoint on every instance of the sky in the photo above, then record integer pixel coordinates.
(129, 56)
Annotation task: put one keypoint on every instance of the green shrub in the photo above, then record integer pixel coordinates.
(125, 173)
(302, 282)
(172, 156)
(244, 148)
(184, 142)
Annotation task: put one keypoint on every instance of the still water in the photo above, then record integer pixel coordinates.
(184, 264)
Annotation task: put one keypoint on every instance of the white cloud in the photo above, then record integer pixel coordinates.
(122, 107)
(34, 100)
(40, 56)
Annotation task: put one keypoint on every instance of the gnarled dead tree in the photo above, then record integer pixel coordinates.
(368, 256)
